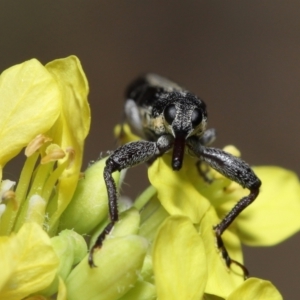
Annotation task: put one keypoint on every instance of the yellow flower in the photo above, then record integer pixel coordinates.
(273, 217)
(45, 109)
(162, 247)
(179, 197)
(183, 197)
(28, 262)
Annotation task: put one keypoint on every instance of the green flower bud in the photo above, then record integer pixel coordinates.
(147, 269)
(141, 291)
(118, 263)
(128, 224)
(78, 243)
(89, 205)
(71, 248)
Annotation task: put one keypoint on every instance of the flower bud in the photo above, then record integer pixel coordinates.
(70, 247)
(129, 223)
(118, 263)
(142, 291)
(89, 205)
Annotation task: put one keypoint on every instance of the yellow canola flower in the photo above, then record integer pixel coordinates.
(28, 262)
(177, 195)
(44, 109)
(184, 194)
(56, 134)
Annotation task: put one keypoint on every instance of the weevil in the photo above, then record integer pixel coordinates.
(168, 117)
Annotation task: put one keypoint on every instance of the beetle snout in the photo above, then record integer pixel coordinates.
(178, 149)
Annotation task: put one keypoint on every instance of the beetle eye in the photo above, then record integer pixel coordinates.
(196, 117)
(170, 113)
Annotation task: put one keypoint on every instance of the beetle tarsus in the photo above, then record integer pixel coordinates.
(98, 243)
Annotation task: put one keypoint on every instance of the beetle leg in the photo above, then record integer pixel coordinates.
(126, 156)
(208, 137)
(237, 170)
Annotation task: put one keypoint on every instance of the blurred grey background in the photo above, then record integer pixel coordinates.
(241, 57)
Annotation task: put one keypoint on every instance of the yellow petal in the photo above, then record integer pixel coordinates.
(179, 261)
(72, 126)
(175, 191)
(36, 263)
(221, 280)
(254, 288)
(212, 297)
(36, 297)
(7, 258)
(62, 290)
(29, 99)
(274, 215)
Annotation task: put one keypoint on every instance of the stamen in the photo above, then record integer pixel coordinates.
(10, 196)
(36, 144)
(53, 153)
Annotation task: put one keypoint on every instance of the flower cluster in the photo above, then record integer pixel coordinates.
(44, 109)
(163, 247)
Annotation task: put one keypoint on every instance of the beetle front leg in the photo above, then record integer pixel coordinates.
(206, 139)
(126, 156)
(237, 170)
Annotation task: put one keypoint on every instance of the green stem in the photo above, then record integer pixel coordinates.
(141, 200)
(53, 178)
(37, 186)
(9, 216)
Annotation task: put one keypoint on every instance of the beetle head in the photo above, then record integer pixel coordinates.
(184, 116)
